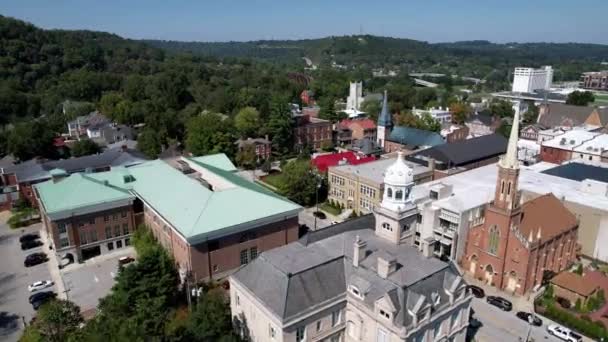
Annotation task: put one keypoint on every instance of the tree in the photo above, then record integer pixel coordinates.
(428, 123)
(460, 112)
(372, 108)
(211, 320)
(580, 98)
(300, 183)
(107, 103)
(502, 109)
(280, 127)
(85, 147)
(30, 139)
(246, 156)
(57, 320)
(209, 133)
(247, 122)
(149, 143)
(531, 115)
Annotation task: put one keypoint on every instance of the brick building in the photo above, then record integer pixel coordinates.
(360, 128)
(210, 219)
(261, 146)
(516, 243)
(568, 146)
(597, 80)
(313, 132)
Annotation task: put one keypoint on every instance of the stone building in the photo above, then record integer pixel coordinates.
(360, 280)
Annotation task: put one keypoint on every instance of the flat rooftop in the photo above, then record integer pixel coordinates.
(374, 171)
(570, 139)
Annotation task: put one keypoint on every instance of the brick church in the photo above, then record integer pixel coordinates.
(519, 241)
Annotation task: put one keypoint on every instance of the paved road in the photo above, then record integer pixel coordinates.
(307, 218)
(498, 325)
(14, 279)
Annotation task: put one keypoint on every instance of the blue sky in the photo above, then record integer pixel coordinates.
(430, 20)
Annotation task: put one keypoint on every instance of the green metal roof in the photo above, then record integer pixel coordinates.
(219, 161)
(192, 208)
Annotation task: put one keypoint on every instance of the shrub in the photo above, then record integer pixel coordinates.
(582, 325)
(579, 269)
(577, 305)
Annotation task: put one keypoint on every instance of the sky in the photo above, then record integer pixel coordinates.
(235, 20)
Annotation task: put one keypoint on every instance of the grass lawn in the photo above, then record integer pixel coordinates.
(275, 180)
(328, 208)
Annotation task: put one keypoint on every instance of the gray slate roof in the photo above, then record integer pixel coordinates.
(558, 114)
(296, 278)
(414, 137)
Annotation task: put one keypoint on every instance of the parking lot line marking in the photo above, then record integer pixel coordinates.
(96, 279)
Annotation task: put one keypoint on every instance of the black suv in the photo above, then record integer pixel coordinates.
(37, 299)
(29, 237)
(530, 318)
(500, 302)
(477, 291)
(29, 244)
(35, 259)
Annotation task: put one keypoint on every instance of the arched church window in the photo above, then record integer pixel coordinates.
(502, 187)
(494, 239)
(389, 193)
(509, 189)
(399, 194)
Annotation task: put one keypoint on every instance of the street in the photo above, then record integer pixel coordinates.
(498, 325)
(14, 279)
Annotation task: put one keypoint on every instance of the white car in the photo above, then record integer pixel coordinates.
(39, 285)
(564, 333)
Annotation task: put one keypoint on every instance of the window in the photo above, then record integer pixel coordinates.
(106, 218)
(110, 246)
(389, 193)
(300, 334)
(335, 318)
(253, 253)
(92, 221)
(64, 242)
(355, 290)
(272, 332)
(238, 300)
(125, 229)
(116, 230)
(502, 187)
(127, 242)
(62, 228)
(216, 268)
(406, 227)
(123, 214)
(119, 244)
(381, 336)
(385, 314)
(115, 217)
(434, 195)
(509, 189)
(81, 224)
(319, 326)
(399, 194)
(108, 232)
(93, 235)
(387, 226)
(244, 257)
(83, 237)
(494, 239)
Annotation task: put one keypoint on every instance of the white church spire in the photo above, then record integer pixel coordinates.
(509, 160)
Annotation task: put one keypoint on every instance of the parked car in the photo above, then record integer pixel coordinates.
(477, 291)
(125, 260)
(35, 259)
(37, 304)
(29, 244)
(38, 296)
(563, 333)
(530, 318)
(39, 285)
(500, 302)
(29, 237)
(320, 214)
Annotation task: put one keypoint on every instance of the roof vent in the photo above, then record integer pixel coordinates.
(572, 142)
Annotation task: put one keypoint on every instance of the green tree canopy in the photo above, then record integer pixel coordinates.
(300, 183)
(210, 133)
(56, 321)
(84, 147)
(580, 98)
(247, 122)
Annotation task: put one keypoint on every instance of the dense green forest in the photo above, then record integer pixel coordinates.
(480, 59)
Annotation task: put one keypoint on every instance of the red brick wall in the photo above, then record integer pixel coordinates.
(459, 134)
(227, 254)
(391, 146)
(554, 155)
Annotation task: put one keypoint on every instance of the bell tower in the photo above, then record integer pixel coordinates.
(385, 123)
(506, 194)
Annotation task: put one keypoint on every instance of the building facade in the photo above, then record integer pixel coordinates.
(354, 282)
(312, 132)
(577, 143)
(355, 96)
(595, 80)
(261, 146)
(101, 210)
(527, 80)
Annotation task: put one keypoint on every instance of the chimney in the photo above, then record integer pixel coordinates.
(387, 264)
(358, 251)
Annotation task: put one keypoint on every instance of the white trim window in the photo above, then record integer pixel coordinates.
(271, 331)
(355, 291)
(336, 317)
(300, 334)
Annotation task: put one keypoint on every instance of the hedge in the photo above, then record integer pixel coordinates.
(594, 330)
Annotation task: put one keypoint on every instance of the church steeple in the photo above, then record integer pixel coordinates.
(506, 196)
(385, 118)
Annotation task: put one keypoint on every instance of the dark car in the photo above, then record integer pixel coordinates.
(40, 296)
(500, 302)
(320, 215)
(29, 237)
(530, 318)
(477, 291)
(34, 259)
(29, 244)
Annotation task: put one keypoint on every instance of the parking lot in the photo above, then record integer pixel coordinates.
(86, 283)
(14, 279)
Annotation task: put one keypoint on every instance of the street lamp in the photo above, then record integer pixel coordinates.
(317, 201)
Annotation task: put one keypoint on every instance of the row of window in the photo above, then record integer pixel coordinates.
(248, 255)
(368, 191)
(336, 318)
(337, 180)
(91, 235)
(63, 226)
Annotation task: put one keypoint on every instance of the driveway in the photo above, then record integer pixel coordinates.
(307, 218)
(14, 279)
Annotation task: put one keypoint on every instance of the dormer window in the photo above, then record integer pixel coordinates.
(387, 226)
(385, 314)
(355, 291)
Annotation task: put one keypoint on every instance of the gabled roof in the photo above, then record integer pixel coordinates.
(464, 152)
(575, 283)
(557, 114)
(536, 218)
(415, 137)
(364, 123)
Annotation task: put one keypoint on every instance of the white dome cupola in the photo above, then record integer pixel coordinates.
(398, 181)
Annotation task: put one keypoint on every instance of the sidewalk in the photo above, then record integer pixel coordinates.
(520, 303)
(125, 251)
(53, 264)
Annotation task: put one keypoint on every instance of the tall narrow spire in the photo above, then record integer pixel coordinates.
(385, 119)
(509, 160)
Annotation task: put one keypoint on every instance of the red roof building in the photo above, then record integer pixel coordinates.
(323, 162)
(360, 128)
